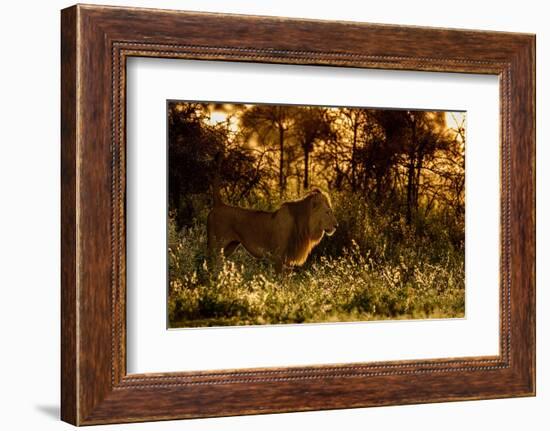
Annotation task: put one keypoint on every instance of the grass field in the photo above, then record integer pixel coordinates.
(375, 267)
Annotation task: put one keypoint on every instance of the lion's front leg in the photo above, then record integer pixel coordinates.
(279, 266)
(282, 269)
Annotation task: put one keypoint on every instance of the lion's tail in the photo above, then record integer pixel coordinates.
(216, 196)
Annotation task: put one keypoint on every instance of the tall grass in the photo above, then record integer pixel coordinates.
(374, 267)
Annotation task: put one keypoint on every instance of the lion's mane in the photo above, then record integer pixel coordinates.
(301, 239)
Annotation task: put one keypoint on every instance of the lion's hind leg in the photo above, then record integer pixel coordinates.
(218, 251)
(230, 248)
(220, 245)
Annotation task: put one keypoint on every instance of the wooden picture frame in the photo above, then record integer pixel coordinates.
(95, 43)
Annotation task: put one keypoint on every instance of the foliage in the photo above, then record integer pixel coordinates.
(411, 157)
(396, 179)
(193, 144)
(377, 268)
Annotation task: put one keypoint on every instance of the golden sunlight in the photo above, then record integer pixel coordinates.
(217, 117)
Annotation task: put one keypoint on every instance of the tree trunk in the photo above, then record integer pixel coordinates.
(353, 158)
(410, 188)
(281, 161)
(419, 165)
(411, 174)
(306, 167)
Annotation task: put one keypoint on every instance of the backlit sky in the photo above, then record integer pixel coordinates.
(453, 118)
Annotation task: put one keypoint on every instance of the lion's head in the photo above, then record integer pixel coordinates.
(313, 217)
(322, 219)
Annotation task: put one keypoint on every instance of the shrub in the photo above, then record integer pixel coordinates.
(374, 267)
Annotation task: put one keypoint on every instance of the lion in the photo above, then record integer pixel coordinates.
(285, 236)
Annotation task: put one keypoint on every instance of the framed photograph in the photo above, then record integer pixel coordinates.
(260, 217)
(248, 229)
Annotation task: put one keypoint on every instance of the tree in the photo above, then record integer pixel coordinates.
(193, 143)
(352, 121)
(312, 126)
(409, 161)
(271, 124)
(412, 138)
